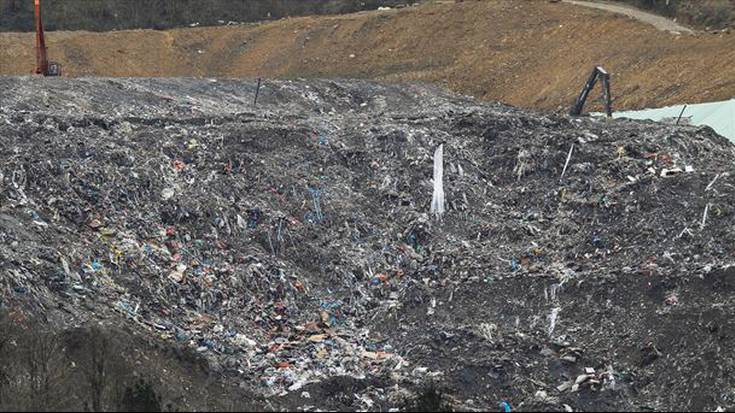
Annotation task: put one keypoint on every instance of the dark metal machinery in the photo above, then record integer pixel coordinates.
(43, 66)
(597, 73)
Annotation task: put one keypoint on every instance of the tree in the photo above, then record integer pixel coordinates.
(5, 336)
(96, 368)
(98, 15)
(140, 397)
(43, 369)
(100, 367)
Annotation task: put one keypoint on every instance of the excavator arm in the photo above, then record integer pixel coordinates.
(597, 73)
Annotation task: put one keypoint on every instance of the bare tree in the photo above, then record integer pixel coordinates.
(43, 362)
(97, 366)
(5, 337)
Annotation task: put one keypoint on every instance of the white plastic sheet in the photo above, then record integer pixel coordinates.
(720, 116)
(437, 203)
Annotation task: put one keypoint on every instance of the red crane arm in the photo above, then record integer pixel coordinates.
(41, 57)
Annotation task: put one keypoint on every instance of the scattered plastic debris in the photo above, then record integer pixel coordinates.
(293, 267)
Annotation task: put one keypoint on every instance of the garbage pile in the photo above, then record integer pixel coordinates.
(577, 264)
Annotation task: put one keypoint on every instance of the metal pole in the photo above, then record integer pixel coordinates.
(681, 114)
(608, 97)
(257, 92)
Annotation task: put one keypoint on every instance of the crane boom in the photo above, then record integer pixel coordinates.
(43, 66)
(41, 56)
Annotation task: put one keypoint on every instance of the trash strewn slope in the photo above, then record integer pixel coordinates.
(580, 262)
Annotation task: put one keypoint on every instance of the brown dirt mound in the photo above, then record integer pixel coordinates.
(525, 53)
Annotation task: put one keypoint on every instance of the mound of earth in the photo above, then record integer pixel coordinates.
(581, 263)
(532, 54)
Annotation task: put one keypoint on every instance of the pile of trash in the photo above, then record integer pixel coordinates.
(573, 264)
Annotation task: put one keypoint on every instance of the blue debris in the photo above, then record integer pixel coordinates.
(514, 265)
(333, 309)
(374, 346)
(127, 307)
(598, 242)
(253, 218)
(181, 335)
(413, 241)
(38, 220)
(334, 305)
(316, 197)
(505, 407)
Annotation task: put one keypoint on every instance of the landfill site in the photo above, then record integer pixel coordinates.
(369, 233)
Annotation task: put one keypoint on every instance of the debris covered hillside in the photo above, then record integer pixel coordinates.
(580, 263)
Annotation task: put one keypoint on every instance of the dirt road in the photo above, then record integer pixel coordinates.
(656, 21)
(526, 53)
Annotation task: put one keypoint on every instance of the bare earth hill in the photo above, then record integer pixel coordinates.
(526, 53)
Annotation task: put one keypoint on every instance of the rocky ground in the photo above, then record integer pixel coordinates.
(581, 264)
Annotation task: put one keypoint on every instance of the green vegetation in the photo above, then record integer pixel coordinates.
(104, 15)
(715, 14)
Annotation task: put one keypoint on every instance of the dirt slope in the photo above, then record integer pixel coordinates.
(526, 53)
